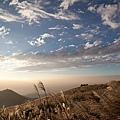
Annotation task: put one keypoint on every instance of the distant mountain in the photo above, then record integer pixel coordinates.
(10, 98)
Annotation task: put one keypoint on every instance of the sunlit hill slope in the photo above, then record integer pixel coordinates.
(87, 102)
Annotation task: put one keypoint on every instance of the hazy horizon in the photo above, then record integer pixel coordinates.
(24, 87)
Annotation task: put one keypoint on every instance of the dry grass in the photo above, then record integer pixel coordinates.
(93, 102)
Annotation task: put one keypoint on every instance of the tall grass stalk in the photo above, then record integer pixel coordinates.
(37, 91)
(42, 87)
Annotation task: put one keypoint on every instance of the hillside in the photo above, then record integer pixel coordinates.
(92, 102)
(33, 95)
(10, 98)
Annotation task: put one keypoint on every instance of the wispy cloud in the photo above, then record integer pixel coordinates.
(4, 31)
(66, 3)
(108, 14)
(66, 15)
(54, 28)
(31, 12)
(8, 17)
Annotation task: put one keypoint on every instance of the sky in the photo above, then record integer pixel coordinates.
(62, 43)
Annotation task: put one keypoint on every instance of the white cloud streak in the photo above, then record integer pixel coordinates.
(32, 12)
(54, 28)
(8, 17)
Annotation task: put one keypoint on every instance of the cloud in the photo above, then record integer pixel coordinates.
(97, 50)
(46, 35)
(92, 8)
(40, 40)
(67, 55)
(31, 12)
(9, 42)
(96, 43)
(77, 26)
(5, 1)
(108, 14)
(66, 3)
(117, 41)
(66, 15)
(96, 30)
(86, 36)
(59, 39)
(32, 43)
(8, 63)
(63, 58)
(55, 28)
(71, 45)
(4, 31)
(8, 17)
(13, 2)
(80, 11)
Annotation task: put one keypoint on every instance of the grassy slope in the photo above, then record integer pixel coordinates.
(92, 102)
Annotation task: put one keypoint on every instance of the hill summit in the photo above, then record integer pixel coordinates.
(10, 98)
(88, 102)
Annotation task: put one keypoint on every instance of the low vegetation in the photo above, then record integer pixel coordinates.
(91, 102)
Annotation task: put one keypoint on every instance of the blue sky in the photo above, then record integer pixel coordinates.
(69, 37)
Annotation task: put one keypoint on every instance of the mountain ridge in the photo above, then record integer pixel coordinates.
(9, 97)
